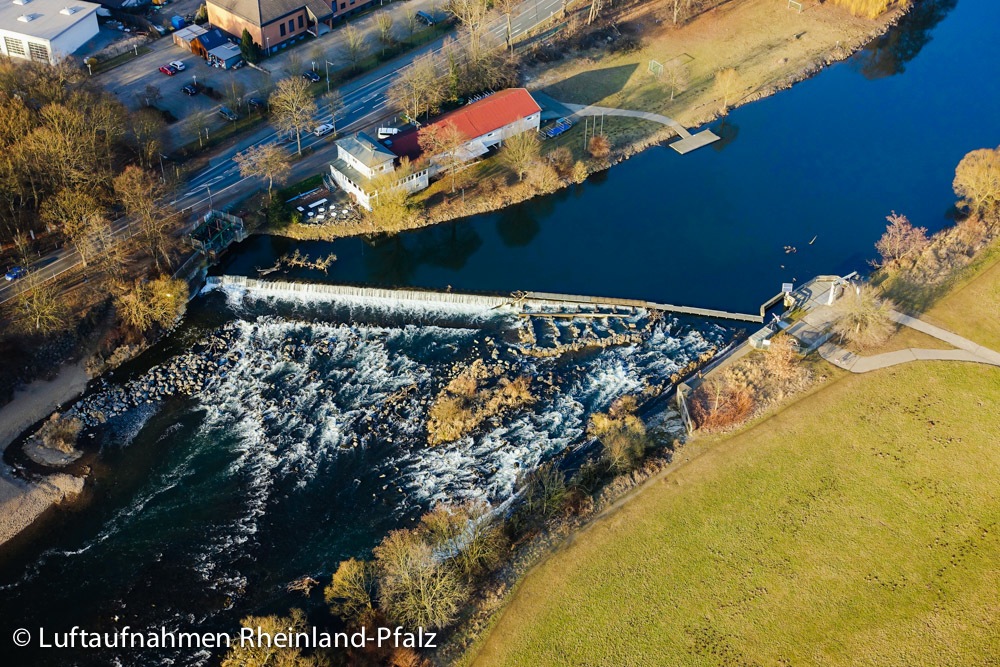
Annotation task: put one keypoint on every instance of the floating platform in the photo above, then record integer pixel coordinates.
(692, 141)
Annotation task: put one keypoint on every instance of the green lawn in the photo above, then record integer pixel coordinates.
(858, 526)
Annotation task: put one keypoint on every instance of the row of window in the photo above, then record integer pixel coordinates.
(15, 47)
(291, 26)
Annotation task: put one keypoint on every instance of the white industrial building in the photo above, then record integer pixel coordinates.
(45, 30)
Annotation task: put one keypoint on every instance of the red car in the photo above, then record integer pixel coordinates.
(169, 70)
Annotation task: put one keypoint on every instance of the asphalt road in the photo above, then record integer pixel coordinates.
(365, 106)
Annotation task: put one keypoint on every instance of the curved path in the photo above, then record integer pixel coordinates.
(966, 350)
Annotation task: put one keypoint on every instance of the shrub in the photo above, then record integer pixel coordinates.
(599, 147)
(622, 434)
(561, 160)
(60, 433)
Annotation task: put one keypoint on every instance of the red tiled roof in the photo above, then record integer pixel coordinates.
(476, 119)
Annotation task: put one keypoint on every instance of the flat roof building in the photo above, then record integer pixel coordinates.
(45, 30)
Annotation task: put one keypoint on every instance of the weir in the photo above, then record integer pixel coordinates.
(481, 300)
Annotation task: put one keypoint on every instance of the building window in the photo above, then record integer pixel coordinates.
(282, 29)
(291, 25)
(300, 23)
(343, 5)
(15, 47)
(39, 52)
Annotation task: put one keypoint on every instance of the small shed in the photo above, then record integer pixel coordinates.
(184, 36)
(226, 56)
(207, 41)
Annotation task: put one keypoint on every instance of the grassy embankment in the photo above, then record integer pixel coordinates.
(859, 525)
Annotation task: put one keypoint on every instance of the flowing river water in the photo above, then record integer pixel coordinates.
(299, 439)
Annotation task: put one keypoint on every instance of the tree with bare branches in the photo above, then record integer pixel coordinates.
(383, 24)
(444, 142)
(675, 73)
(354, 42)
(977, 181)
(520, 152)
(900, 241)
(267, 161)
(293, 107)
(140, 193)
(863, 318)
(727, 83)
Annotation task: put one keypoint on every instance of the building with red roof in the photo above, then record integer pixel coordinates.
(485, 123)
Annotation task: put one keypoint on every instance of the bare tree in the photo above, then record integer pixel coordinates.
(235, 94)
(444, 142)
(79, 217)
(333, 102)
(390, 208)
(901, 240)
(520, 152)
(507, 8)
(351, 591)
(410, 18)
(293, 107)
(727, 83)
(474, 16)
(415, 588)
(676, 75)
(268, 161)
(140, 305)
(139, 193)
(621, 432)
(977, 180)
(39, 307)
(863, 318)
(354, 41)
(146, 135)
(383, 23)
(418, 88)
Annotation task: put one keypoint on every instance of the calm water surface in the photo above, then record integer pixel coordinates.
(829, 158)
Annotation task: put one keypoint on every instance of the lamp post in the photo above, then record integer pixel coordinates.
(267, 41)
(327, 74)
(209, 197)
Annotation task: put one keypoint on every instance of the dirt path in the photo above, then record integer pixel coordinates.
(22, 502)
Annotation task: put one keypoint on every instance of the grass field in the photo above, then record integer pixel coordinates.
(769, 46)
(858, 526)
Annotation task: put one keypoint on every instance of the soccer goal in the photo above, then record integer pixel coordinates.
(795, 4)
(655, 68)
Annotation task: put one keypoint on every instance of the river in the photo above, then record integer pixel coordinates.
(204, 507)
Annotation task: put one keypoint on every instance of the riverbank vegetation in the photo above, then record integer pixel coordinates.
(477, 394)
(75, 166)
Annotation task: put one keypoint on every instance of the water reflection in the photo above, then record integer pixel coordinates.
(395, 259)
(517, 228)
(727, 134)
(888, 54)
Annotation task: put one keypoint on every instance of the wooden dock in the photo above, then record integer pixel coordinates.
(688, 143)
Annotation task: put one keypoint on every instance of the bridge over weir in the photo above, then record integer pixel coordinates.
(522, 299)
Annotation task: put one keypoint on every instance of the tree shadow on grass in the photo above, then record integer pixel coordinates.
(592, 86)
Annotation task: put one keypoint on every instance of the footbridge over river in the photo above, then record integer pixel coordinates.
(523, 300)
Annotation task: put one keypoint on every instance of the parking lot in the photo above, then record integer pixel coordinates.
(129, 81)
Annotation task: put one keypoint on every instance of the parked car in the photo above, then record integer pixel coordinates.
(255, 103)
(168, 70)
(425, 18)
(311, 76)
(227, 113)
(15, 273)
(190, 89)
(178, 65)
(323, 130)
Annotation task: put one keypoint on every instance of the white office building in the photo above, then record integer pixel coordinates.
(45, 30)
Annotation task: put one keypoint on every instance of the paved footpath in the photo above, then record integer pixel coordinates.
(966, 350)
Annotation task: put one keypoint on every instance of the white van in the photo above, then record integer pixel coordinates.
(386, 132)
(323, 130)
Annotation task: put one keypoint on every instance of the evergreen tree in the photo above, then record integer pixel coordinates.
(248, 48)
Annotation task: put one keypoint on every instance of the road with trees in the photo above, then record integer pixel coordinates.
(365, 104)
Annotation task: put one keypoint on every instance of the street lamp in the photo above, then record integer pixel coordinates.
(267, 41)
(209, 197)
(327, 75)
